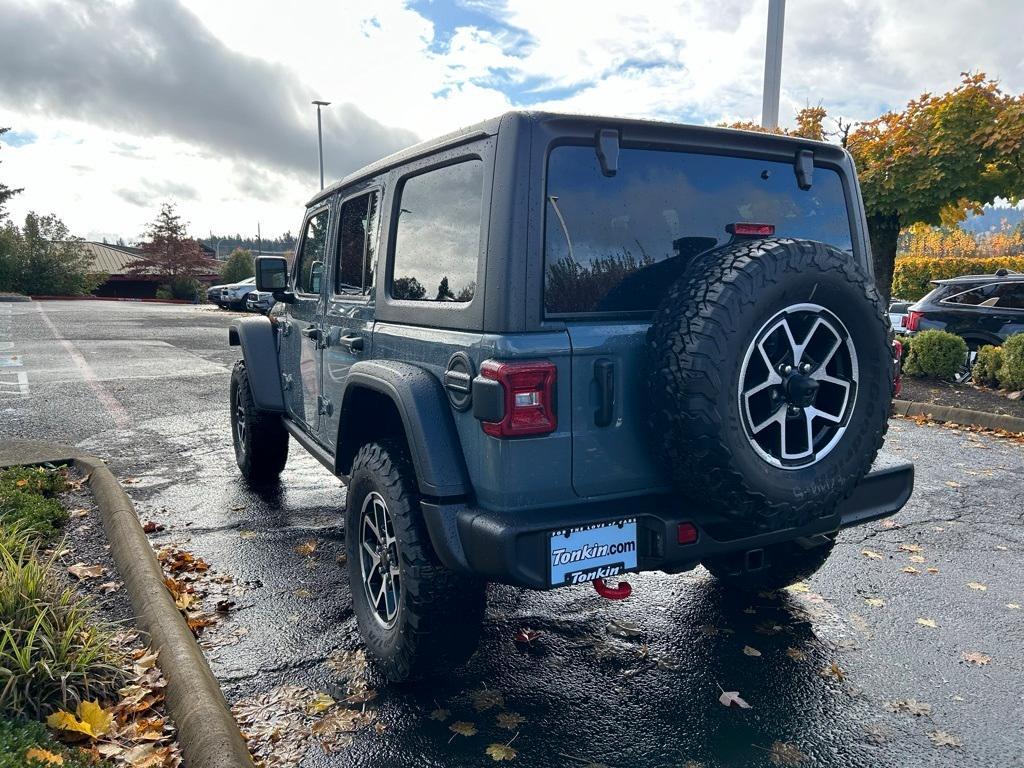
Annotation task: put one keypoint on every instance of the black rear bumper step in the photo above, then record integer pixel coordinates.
(511, 547)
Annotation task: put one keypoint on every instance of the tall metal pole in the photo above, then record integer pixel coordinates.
(773, 64)
(320, 138)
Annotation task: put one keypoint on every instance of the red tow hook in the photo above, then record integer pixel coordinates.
(620, 592)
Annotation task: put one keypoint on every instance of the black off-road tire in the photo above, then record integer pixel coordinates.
(261, 446)
(697, 344)
(785, 564)
(440, 613)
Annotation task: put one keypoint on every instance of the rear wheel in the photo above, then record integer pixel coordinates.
(260, 439)
(783, 564)
(416, 617)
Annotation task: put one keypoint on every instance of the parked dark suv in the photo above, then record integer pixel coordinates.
(548, 350)
(983, 309)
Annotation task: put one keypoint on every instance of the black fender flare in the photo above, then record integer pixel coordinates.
(256, 337)
(426, 417)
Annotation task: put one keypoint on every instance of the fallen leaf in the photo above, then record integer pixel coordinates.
(874, 602)
(952, 483)
(800, 586)
(872, 554)
(510, 720)
(77, 513)
(246, 535)
(796, 654)
(833, 670)
(977, 585)
(977, 658)
(933, 570)
(152, 527)
(82, 571)
(928, 623)
(748, 651)
(784, 753)
(486, 698)
(943, 739)
(1013, 606)
(891, 524)
(500, 752)
(910, 548)
(303, 593)
(525, 636)
(92, 720)
(306, 547)
(440, 714)
(916, 559)
(732, 699)
(910, 569)
(43, 756)
(319, 704)
(110, 587)
(910, 707)
(462, 728)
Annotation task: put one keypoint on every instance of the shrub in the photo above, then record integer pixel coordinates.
(912, 275)
(53, 653)
(17, 738)
(935, 353)
(1011, 368)
(986, 366)
(27, 503)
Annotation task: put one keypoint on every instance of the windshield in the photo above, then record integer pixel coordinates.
(615, 244)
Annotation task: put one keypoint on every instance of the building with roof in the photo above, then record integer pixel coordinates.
(123, 282)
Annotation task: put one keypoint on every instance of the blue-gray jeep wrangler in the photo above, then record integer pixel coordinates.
(547, 350)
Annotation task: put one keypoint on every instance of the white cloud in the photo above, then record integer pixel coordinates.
(105, 160)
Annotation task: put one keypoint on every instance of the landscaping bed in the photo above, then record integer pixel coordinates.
(964, 396)
(69, 656)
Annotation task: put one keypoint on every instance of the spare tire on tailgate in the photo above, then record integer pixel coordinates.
(771, 380)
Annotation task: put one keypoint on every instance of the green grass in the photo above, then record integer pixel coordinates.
(27, 500)
(17, 737)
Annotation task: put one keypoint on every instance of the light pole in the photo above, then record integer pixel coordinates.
(773, 64)
(320, 138)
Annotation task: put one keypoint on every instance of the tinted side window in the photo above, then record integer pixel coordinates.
(437, 242)
(357, 245)
(616, 244)
(986, 295)
(1011, 295)
(310, 269)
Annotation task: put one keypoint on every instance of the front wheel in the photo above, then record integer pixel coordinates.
(784, 564)
(260, 439)
(416, 617)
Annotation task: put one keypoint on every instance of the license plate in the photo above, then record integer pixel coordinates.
(593, 552)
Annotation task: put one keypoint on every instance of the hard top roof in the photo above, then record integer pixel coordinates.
(490, 126)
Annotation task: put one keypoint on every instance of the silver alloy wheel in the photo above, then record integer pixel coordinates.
(240, 424)
(796, 397)
(378, 559)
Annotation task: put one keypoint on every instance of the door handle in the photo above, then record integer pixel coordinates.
(604, 373)
(311, 332)
(351, 343)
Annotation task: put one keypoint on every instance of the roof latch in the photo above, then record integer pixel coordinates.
(803, 164)
(608, 150)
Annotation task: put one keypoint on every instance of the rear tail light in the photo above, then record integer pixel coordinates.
(748, 228)
(912, 320)
(686, 533)
(528, 397)
(897, 355)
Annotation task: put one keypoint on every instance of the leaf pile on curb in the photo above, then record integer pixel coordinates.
(190, 581)
(133, 732)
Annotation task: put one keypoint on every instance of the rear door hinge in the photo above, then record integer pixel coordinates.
(325, 406)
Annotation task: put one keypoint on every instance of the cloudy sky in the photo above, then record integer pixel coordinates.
(117, 105)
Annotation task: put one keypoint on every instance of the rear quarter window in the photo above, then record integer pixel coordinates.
(615, 244)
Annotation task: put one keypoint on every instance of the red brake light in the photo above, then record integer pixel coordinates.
(912, 320)
(529, 398)
(686, 533)
(747, 228)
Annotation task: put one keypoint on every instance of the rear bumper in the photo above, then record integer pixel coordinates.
(513, 547)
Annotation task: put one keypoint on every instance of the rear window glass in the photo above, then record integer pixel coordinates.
(615, 244)
(437, 246)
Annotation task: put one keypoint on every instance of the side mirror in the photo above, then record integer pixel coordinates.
(272, 276)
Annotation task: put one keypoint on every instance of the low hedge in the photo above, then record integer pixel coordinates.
(937, 354)
(912, 274)
(1011, 365)
(986, 366)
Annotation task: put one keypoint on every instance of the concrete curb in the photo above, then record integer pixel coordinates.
(945, 413)
(14, 297)
(207, 733)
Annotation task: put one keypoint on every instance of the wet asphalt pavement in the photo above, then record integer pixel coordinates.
(145, 387)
